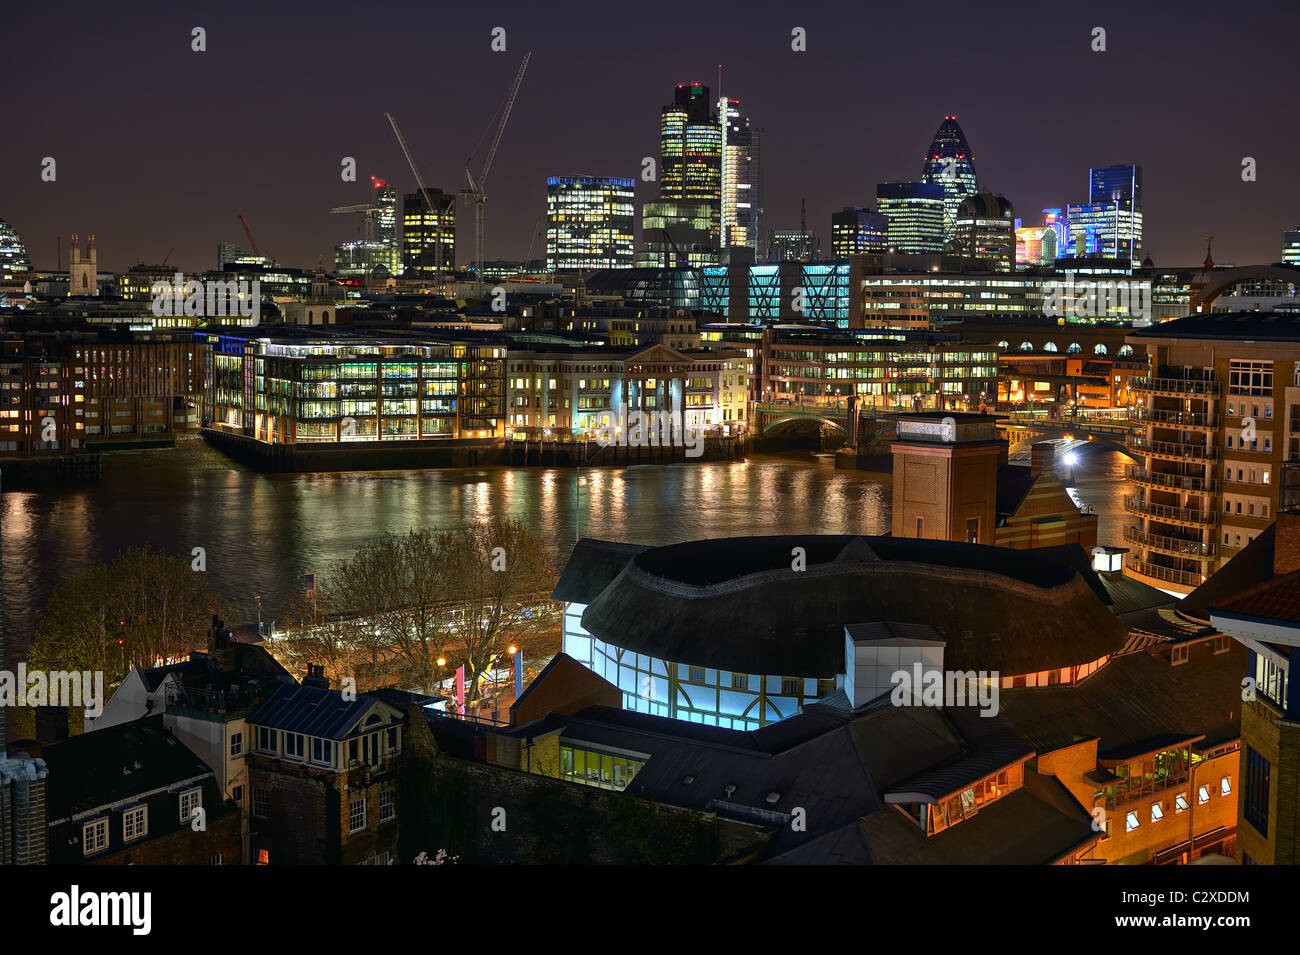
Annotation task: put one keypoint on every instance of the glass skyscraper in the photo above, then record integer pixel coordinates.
(855, 231)
(690, 174)
(741, 178)
(915, 211)
(429, 232)
(1109, 224)
(949, 164)
(13, 254)
(589, 223)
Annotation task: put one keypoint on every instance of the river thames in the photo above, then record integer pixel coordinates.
(262, 533)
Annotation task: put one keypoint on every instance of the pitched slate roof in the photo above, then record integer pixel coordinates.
(1277, 600)
(1252, 565)
(314, 711)
(1037, 824)
(832, 764)
(1133, 700)
(115, 763)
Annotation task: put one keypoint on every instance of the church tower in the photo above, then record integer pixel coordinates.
(83, 273)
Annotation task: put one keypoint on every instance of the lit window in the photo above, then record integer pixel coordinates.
(1131, 822)
(1203, 795)
(1157, 812)
(1225, 786)
(1180, 802)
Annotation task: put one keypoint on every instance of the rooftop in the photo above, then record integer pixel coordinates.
(1231, 326)
(998, 609)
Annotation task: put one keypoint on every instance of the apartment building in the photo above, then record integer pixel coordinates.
(1221, 405)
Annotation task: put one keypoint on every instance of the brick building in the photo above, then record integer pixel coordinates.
(322, 775)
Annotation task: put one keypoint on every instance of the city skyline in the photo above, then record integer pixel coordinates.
(120, 186)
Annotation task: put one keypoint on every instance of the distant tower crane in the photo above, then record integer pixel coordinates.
(428, 201)
(475, 189)
(252, 242)
(369, 210)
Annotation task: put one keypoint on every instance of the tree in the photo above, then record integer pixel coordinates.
(154, 603)
(498, 580)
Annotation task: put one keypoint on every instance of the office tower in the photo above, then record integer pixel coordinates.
(385, 201)
(985, 231)
(428, 232)
(13, 254)
(949, 163)
(855, 230)
(690, 174)
(1109, 224)
(229, 254)
(741, 178)
(1290, 248)
(915, 211)
(793, 245)
(690, 145)
(589, 223)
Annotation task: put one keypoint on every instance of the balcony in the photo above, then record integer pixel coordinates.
(1180, 578)
(1178, 450)
(1176, 386)
(1178, 419)
(1177, 482)
(1177, 546)
(1177, 515)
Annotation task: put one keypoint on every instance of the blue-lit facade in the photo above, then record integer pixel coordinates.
(679, 690)
(1109, 224)
(857, 231)
(763, 294)
(950, 165)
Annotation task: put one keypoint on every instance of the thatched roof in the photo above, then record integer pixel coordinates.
(737, 604)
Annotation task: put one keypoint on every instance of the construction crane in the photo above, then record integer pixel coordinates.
(428, 201)
(369, 210)
(537, 234)
(475, 188)
(252, 242)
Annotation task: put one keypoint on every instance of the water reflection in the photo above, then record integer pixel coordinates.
(263, 533)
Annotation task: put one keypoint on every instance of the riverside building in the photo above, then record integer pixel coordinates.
(1221, 406)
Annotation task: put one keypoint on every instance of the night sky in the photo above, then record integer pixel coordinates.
(160, 147)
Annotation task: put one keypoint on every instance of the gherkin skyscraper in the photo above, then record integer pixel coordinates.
(949, 163)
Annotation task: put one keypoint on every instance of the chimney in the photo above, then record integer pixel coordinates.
(1286, 542)
(1041, 457)
(316, 676)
